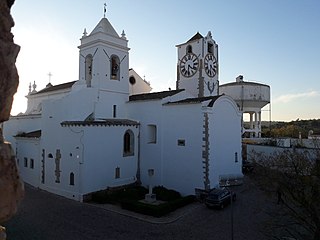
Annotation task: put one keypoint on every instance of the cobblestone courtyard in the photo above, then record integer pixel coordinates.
(48, 217)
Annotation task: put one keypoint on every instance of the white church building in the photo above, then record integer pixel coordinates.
(108, 129)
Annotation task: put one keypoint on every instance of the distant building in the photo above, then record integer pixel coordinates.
(251, 97)
(107, 129)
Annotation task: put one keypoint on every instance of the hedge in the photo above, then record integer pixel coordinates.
(156, 210)
(113, 197)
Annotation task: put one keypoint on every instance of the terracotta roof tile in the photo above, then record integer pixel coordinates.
(104, 122)
(155, 95)
(55, 87)
(195, 37)
(34, 134)
(197, 100)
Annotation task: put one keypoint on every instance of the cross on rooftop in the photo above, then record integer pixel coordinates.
(104, 9)
(50, 75)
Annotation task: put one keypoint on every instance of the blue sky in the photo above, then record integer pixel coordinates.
(275, 42)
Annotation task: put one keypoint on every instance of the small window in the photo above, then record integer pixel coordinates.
(71, 179)
(50, 155)
(88, 69)
(117, 172)
(114, 111)
(189, 49)
(132, 80)
(236, 157)
(31, 163)
(18, 161)
(25, 162)
(210, 47)
(181, 142)
(128, 143)
(115, 67)
(152, 133)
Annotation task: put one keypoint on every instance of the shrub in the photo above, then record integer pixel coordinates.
(116, 196)
(165, 194)
(100, 197)
(157, 210)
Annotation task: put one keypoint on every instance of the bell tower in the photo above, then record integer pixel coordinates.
(197, 67)
(104, 59)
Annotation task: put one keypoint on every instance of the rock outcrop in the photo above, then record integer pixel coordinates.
(9, 78)
(11, 186)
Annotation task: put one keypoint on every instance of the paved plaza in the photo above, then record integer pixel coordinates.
(44, 216)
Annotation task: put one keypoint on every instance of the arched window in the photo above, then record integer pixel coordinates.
(115, 67)
(88, 69)
(128, 143)
(210, 47)
(71, 179)
(189, 49)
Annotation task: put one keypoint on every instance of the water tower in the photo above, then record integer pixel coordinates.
(251, 97)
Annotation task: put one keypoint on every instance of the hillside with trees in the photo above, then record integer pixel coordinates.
(291, 129)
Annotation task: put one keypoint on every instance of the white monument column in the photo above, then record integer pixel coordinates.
(251, 124)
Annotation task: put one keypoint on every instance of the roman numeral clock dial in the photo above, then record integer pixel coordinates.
(189, 65)
(210, 65)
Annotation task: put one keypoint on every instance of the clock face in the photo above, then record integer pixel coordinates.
(189, 65)
(210, 65)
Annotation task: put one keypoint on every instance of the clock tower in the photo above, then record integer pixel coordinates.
(197, 67)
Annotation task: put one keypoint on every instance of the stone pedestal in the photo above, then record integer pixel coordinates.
(150, 198)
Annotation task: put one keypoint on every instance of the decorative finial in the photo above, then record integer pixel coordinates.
(123, 35)
(34, 86)
(29, 87)
(104, 10)
(85, 32)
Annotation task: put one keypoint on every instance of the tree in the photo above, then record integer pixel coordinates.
(287, 131)
(294, 178)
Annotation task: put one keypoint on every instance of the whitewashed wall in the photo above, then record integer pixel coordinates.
(35, 100)
(225, 140)
(19, 124)
(182, 166)
(70, 146)
(103, 153)
(104, 106)
(29, 149)
(140, 86)
(259, 152)
(149, 113)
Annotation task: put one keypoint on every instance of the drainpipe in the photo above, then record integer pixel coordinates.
(138, 176)
(80, 159)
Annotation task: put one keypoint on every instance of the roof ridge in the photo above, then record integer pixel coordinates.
(55, 87)
(195, 37)
(105, 26)
(154, 95)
